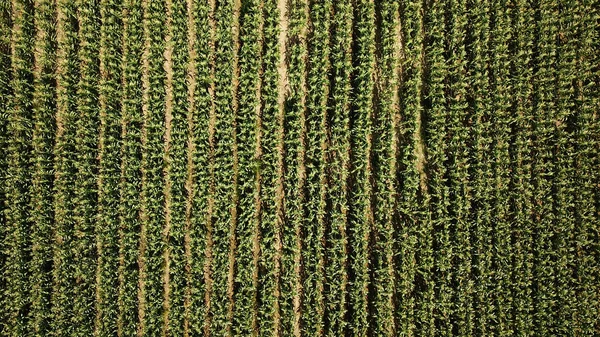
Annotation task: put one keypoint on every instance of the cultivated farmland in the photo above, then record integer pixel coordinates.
(299, 168)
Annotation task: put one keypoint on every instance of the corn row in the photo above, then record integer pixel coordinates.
(544, 169)
(270, 135)
(565, 171)
(435, 134)
(502, 121)
(246, 133)
(522, 179)
(295, 149)
(482, 168)
(153, 199)
(586, 201)
(224, 142)
(200, 216)
(316, 176)
(19, 119)
(336, 298)
(361, 219)
(384, 170)
(84, 249)
(409, 171)
(109, 170)
(460, 179)
(131, 176)
(64, 170)
(44, 129)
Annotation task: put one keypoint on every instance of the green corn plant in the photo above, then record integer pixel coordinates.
(19, 121)
(564, 187)
(153, 200)
(361, 221)
(44, 129)
(131, 176)
(435, 133)
(175, 169)
(586, 201)
(501, 36)
(522, 178)
(482, 168)
(223, 168)
(385, 168)
(460, 179)
(64, 170)
(268, 172)
(410, 175)
(544, 168)
(85, 188)
(109, 169)
(296, 138)
(339, 170)
(318, 65)
(245, 300)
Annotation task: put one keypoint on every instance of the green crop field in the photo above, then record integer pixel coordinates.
(299, 168)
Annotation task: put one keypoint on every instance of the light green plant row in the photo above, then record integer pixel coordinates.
(269, 223)
(130, 184)
(587, 97)
(459, 175)
(202, 167)
(318, 63)
(153, 200)
(483, 174)
(87, 121)
(338, 169)
(438, 268)
(65, 156)
(411, 195)
(247, 117)
(545, 113)
(19, 121)
(502, 120)
(44, 130)
(361, 216)
(223, 169)
(385, 144)
(522, 183)
(109, 169)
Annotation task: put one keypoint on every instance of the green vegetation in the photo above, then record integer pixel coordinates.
(299, 168)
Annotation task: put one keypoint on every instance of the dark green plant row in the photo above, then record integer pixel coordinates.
(299, 168)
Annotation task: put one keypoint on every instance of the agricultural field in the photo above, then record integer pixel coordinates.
(299, 168)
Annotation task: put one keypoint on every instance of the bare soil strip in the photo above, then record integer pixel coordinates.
(297, 301)
(282, 89)
(189, 183)
(211, 200)
(258, 181)
(143, 210)
(168, 56)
